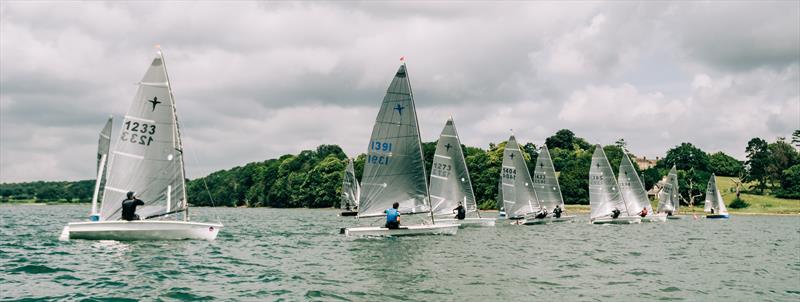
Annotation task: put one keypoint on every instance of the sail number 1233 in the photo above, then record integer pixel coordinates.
(138, 133)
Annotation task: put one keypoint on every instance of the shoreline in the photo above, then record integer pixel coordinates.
(575, 209)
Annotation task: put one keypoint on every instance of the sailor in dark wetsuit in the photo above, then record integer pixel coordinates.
(461, 213)
(615, 213)
(557, 212)
(129, 207)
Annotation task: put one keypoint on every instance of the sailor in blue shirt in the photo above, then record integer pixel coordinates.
(393, 217)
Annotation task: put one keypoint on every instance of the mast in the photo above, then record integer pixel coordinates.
(419, 142)
(177, 134)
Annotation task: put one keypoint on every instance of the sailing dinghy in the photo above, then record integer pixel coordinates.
(103, 145)
(395, 169)
(604, 195)
(548, 192)
(147, 159)
(668, 199)
(632, 190)
(450, 184)
(518, 195)
(350, 191)
(714, 205)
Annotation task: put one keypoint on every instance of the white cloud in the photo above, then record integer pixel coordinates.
(255, 80)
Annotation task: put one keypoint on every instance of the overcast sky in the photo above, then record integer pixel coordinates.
(255, 80)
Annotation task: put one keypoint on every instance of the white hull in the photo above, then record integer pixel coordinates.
(548, 220)
(618, 220)
(468, 222)
(655, 218)
(420, 229)
(140, 230)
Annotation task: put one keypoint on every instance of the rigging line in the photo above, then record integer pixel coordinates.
(205, 185)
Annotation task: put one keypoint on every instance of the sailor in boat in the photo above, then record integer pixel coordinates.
(129, 207)
(643, 213)
(615, 213)
(712, 211)
(393, 217)
(557, 211)
(461, 213)
(542, 213)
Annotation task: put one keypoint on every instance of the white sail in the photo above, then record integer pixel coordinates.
(668, 196)
(103, 146)
(545, 182)
(450, 183)
(350, 187)
(604, 194)
(518, 195)
(714, 198)
(147, 158)
(631, 188)
(395, 170)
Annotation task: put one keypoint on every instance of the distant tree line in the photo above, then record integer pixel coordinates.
(313, 178)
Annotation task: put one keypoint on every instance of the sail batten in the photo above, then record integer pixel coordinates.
(145, 158)
(395, 170)
(450, 180)
(518, 192)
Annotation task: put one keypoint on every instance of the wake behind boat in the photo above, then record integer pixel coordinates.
(147, 159)
(607, 204)
(395, 169)
(450, 185)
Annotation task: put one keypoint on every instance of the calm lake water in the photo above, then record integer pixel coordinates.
(285, 254)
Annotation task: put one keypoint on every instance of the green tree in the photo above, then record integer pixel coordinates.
(725, 165)
(782, 157)
(758, 158)
(566, 139)
(684, 157)
(790, 183)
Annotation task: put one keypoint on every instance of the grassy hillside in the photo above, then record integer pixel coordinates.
(758, 203)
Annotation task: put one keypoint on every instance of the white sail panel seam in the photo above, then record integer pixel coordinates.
(115, 189)
(442, 156)
(154, 84)
(139, 119)
(129, 155)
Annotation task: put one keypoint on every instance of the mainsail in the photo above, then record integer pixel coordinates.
(631, 187)
(450, 183)
(604, 194)
(103, 145)
(147, 158)
(714, 198)
(545, 182)
(668, 196)
(395, 170)
(350, 188)
(518, 195)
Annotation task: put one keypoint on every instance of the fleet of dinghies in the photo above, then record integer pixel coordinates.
(147, 159)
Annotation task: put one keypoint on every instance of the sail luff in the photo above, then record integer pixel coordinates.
(176, 140)
(419, 143)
